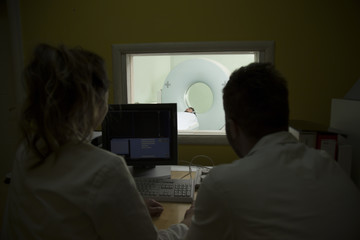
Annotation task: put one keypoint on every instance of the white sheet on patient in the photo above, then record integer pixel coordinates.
(187, 121)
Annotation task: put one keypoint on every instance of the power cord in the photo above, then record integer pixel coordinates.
(197, 165)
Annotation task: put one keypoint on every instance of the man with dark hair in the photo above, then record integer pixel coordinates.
(256, 98)
(279, 188)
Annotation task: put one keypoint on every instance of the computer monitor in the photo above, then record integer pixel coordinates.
(145, 135)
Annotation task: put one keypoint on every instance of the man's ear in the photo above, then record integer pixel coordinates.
(233, 129)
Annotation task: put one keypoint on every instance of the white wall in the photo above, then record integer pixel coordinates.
(345, 118)
(149, 76)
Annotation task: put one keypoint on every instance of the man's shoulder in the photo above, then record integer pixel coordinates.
(223, 173)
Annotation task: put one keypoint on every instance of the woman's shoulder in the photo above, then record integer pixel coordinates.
(89, 155)
(96, 152)
(91, 160)
(88, 147)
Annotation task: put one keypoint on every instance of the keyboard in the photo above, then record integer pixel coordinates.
(166, 190)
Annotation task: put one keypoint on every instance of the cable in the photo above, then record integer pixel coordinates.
(190, 164)
(204, 156)
(189, 173)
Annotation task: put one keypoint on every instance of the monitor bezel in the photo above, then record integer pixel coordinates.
(146, 162)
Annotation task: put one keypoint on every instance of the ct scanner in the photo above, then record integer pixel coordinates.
(182, 77)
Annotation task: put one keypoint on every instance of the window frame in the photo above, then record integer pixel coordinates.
(121, 55)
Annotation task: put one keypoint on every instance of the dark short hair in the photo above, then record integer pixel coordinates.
(256, 99)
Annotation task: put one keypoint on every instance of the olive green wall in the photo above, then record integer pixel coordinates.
(316, 42)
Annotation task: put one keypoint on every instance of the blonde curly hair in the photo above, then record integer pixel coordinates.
(66, 98)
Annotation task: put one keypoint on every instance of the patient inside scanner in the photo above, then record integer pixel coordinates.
(187, 120)
(196, 84)
(189, 80)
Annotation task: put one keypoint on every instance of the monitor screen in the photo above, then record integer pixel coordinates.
(144, 134)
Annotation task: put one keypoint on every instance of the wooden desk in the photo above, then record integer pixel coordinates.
(173, 212)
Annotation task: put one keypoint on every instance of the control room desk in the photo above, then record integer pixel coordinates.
(173, 212)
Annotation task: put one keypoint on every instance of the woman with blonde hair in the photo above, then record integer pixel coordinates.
(63, 187)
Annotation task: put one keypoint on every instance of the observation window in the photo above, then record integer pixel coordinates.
(189, 74)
